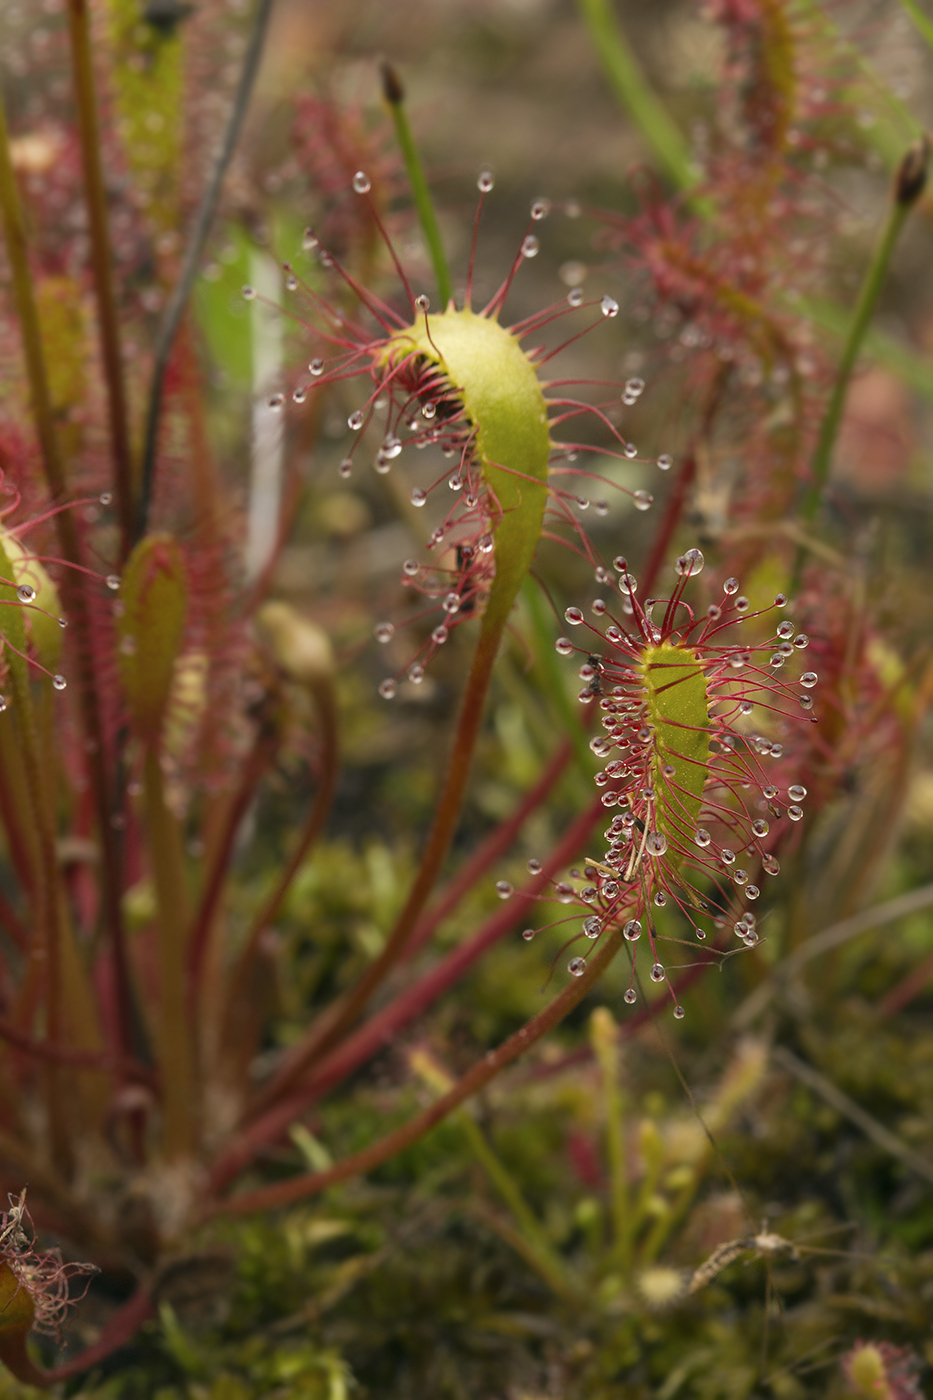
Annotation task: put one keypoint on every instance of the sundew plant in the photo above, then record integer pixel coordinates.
(374, 710)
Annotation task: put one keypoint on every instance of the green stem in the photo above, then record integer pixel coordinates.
(482, 1073)
(537, 1247)
(175, 1047)
(604, 1037)
(861, 317)
(909, 183)
(395, 97)
(628, 83)
(547, 1260)
(96, 201)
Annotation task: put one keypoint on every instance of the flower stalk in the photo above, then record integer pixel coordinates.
(909, 184)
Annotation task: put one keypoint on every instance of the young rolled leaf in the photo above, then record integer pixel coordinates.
(42, 615)
(154, 592)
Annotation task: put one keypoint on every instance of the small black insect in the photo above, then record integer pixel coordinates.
(591, 672)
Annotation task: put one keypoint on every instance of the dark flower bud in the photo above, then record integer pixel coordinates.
(392, 89)
(911, 177)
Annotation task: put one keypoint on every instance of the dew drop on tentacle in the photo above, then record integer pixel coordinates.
(59, 682)
(249, 293)
(361, 182)
(731, 586)
(609, 307)
(528, 934)
(631, 931)
(575, 298)
(423, 302)
(355, 421)
(574, 616)
(418, 496)
(630, 996)
(504, 889)
(439, 636)
(657, 973)
(690, 563)
(563, 646)
(576, 967)
(105, 498)
(25, 593)
(345, 468)
(642, 500)
(384, 631)
(540, 209)
(679, 1013)
(530, 246)
(486, 181)
(387, 688)
(665, 461)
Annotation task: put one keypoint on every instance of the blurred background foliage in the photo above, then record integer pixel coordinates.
(543, 1243)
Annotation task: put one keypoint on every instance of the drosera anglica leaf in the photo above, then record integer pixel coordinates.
(504, 402)
(677, 705)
